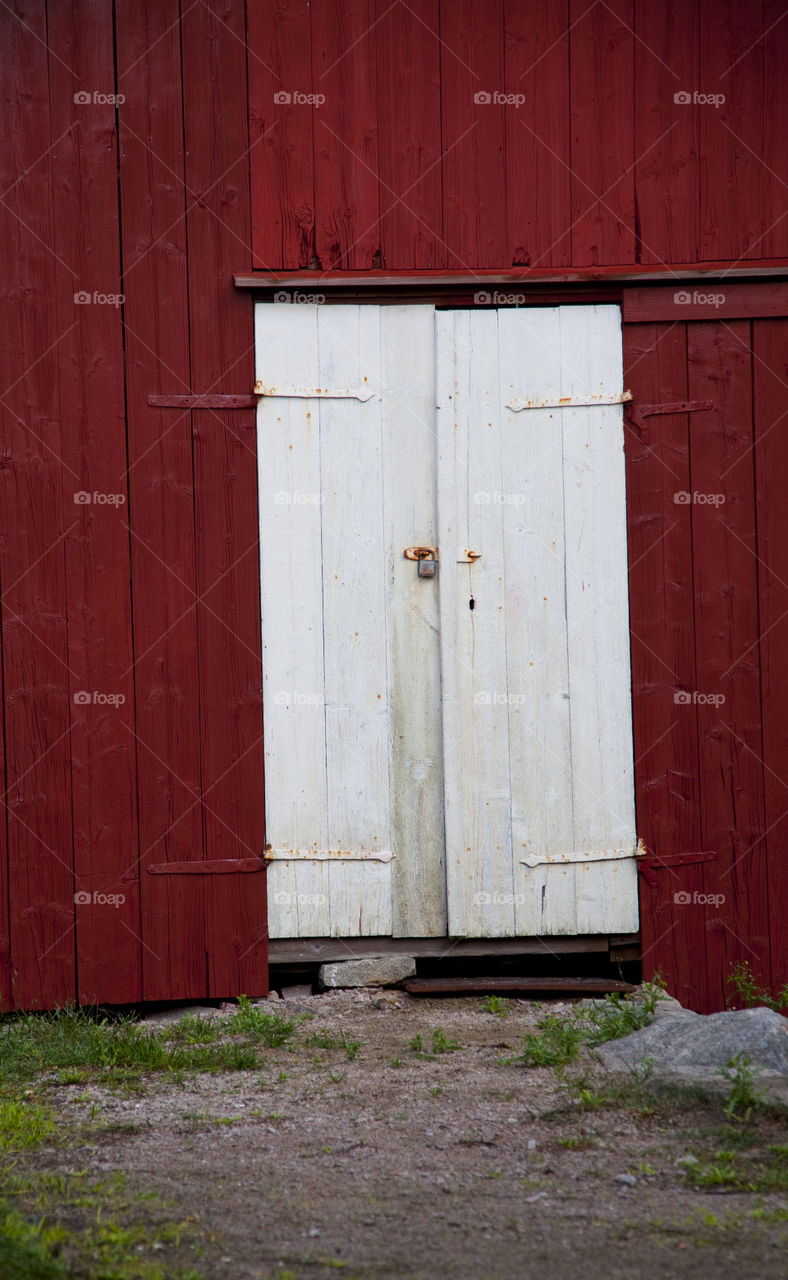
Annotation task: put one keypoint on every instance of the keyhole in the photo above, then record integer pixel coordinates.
(471, 603)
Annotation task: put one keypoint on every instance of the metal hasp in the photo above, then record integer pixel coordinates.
(638, 413)
(427, 558)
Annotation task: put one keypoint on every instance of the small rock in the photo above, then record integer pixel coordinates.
(688, 1159)
(314, 1232)
(626, 1180)
(532, 1144)
(375, 971)
(300, 991)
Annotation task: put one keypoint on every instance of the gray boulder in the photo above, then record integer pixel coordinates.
(691, 1048)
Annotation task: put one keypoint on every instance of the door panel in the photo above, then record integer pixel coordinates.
(350, 632)
(536, 689)
(428, 738)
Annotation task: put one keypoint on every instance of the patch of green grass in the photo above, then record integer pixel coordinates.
(496, 1005)
(24, 1124)
(559, 1040)
(441, 1043)
(83, 1046)
(576, 1143)
(113, 1233)
(768, 1172)
(324, 1040)
(749, 993)
(27, 1250)
(255, 1023)
(618, 1016)
(194, 1030)
(557, 1043)
(743, 1097)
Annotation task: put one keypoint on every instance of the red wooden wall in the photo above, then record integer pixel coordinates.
(593, 163)
(201, 170)
(149, 598)
(708, 552)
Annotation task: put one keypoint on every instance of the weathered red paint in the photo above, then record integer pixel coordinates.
(413, 166)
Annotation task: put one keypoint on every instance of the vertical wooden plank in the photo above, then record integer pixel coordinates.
(663, 660)
(161, 496)
(291, 587)
(770, 403)
(280, 134)
(347, 231)
(602, 116)
(409, 114)
(413, 621)
(536, 637)
(596, 588)
(38, 895)
(354, 623)
(667, 178)
(735, 212)
(474, 134)
(538, 134)
(225, 477)
(90, 363)
(727, 655)
(775, 136)
(477, 782)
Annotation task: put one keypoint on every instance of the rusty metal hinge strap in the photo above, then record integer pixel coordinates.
(638, 413)
(210, 867)
(650, 865)
(204, 402)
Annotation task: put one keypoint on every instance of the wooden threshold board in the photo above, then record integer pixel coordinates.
(323, 950)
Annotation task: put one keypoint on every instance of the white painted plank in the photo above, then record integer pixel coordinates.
(597, 617)
(535, 605)
(412, 614)
(292, 624)
(473, 640)
(354, 623)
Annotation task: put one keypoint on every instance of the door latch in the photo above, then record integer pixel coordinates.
(427, 558)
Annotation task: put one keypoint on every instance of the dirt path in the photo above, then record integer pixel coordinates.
(375, 1162)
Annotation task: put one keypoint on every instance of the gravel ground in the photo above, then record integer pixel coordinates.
(454, 1165)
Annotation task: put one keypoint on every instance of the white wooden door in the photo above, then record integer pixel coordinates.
(447, 755)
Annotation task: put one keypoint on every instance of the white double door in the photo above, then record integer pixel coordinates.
(446, 755)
